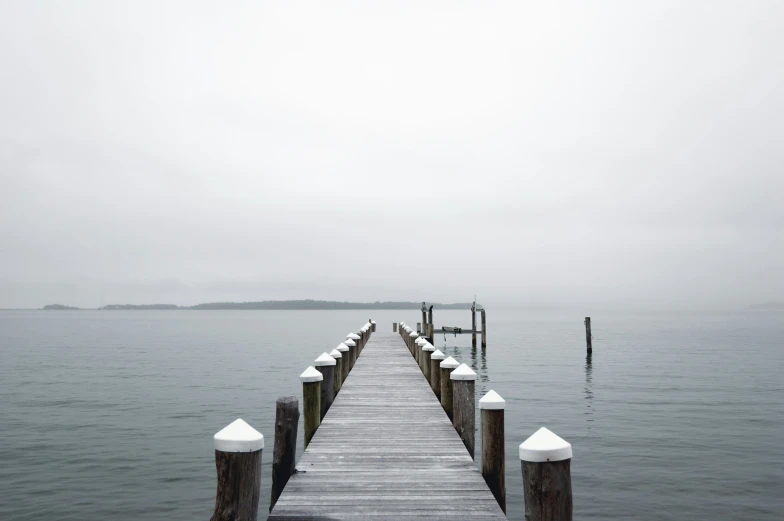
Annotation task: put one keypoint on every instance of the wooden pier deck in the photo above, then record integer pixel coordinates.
(386, 450)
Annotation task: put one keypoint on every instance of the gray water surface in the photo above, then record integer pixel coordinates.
(110, 415)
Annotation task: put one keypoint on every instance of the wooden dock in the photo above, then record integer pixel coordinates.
(386, 450)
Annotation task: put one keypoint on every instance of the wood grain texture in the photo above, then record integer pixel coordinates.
(446, 391)
(338, 376)
(285, 450)
(366, 461)
(239, 480)
(547, 490)
(464, 412)
(493, 461)
(435, 378)
(311, 409)
(327, 387)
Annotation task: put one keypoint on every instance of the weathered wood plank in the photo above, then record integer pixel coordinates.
(368, 459)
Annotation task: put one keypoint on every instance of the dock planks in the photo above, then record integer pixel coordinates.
(386, 450)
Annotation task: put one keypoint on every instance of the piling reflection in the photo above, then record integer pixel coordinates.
(589, 387)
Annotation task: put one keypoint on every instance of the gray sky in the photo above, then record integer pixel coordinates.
(590, 153)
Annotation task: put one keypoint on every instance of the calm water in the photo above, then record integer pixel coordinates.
(110, 415)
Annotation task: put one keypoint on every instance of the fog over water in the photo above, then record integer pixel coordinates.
(619, 154)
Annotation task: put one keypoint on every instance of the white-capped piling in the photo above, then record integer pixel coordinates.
(338, 356)
(427, 350)
(311, 401)
(492, 408)
(238, 448)
(325, 364)
(372, 326)
(345, 361)
(447, 366)
(285, 445)
(435, 372)
(418, 351)
(547, 481)
(463, 405)
(412, 336)
(352, 353)
(357, 342)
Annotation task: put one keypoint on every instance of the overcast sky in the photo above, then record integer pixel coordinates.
(534, 153)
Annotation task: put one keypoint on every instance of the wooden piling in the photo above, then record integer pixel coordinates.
(427, 351)
(412, 336)
(311, 401)
(588, 336)
(430, 324)
(345, 361)
(285, 448)
(238, 449)
(372, 326)
(435, 372)
(473, 325)
(418, 351)
(325, 365)
(547, 482)
(492, 407)
(484, 328)
(394, 327)
(463, 405)
(352, 353)
(447, 366)
(338, 356)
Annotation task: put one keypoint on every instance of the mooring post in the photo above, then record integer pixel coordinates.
(325, 365)
(430, 323)
(238, 449)
(435, 372)
(424, 319)
(412, 337)
(588, 336)
(427, 353)
(345, 361)
(338, 356)
(373, 326)
(463, 405)
(352, 353)
(394, 327)
(492, 407)
(285, 448)
(484, 328)
(419, 327)
(311, 401)
(447, 366)
(547, 482)
(418, 351)
(473, 325)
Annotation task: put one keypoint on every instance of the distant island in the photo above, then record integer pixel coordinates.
(275, 305)
(59, 307)
(769, 305)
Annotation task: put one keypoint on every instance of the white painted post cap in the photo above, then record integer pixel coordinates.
(352, 336)
(413, 334)
(450, 363)
(544, 445)
(463, 373)
(492, 401)
(420, 340)
(238, 436)
(342, 347)
(311, 374)
(350, 343)
(335, 354)
(372, 322)
(324, 359)
(427, 346)
(437, 355)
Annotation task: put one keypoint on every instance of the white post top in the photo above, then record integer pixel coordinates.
(311, 374)
(449, 363)
(420, 340)
(492, 401)
(406, 329)
(544, 445)
(350, 343)
(463, 373)
(365, 327)
(402, 324)
(324, 359)
(413, 334)
(437, 355)
(372, 322)
(427, 346)
(342, 347)
(352, 336)
(238, 436)
(335, 354)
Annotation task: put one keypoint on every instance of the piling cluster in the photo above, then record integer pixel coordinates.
(545, 457)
